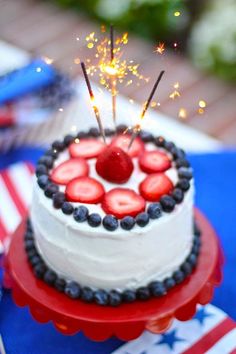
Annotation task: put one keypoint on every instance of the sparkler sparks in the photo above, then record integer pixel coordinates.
(182, 113)
(177, 13)
(160, 48)
(175, 94)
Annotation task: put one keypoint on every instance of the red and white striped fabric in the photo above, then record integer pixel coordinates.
(15, 197)
(211, 331)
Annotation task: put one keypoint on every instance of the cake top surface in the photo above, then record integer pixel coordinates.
(112, 184)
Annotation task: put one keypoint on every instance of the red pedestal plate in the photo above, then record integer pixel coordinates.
(127, 321)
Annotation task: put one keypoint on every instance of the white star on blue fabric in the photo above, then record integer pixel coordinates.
(201, 315)
(170, 339)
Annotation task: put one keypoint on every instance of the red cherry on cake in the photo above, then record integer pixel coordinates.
(84, 190)
(122, 141)
(114, 165)
(121, 202)
(87, 148)
(154, 186)
(68, 170)
(154, 161)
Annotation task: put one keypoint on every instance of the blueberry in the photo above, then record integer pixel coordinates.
(129, 296)
(58, 199)
(186, 267)
(169, 283)
(115, 298)
(108, 132)
(41, 170)
(169, 145)
(50, 190)
(73, 290)
(182, 162)
(143, 293)
(178, 195)
(94, 220)
(101, 297)
(159, 141)
(67, 208)
(29, 236)
(142, 219)
(58, 145)
(127, 223)
(68, 139)
(192, 259)
(157, 288)
(82, 135)
(60, 284)
(52, 152)
(121, 128)
(196, 249)
(94, 132)
(110, 222)
(29, 225)
(39, 270)
(43, 181)
(196, 229)
(33, 258)
(50, 277)
(31, 254)
(178, 276)
(87, 294)
(177, 153)
(47, 161)
(184, 172)
(183, 184)
(154, 210)
(81, 213)
(167, 203)
(197, 242)
(29, 245)
(146, 136)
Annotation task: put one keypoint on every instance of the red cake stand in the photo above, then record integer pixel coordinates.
(127, 321)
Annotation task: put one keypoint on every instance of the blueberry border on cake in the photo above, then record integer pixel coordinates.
(81, 213)
(72, 289)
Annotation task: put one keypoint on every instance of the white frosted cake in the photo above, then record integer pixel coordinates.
(111, 224)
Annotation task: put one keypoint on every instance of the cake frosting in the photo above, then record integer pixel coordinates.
(101, 259)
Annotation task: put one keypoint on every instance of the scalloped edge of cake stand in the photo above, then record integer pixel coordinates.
(127, 321)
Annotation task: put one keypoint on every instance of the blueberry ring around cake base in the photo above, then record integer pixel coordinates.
(113, 297)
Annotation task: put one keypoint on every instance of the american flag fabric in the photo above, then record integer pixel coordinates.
(15, 197)
(210, 331)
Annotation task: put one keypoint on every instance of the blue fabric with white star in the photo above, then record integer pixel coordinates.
(215, 176)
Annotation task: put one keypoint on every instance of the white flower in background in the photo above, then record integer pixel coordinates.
(112, 9)
(213, 38)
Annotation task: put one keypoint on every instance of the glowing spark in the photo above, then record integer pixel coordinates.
(177, 13)
(60, 109)
(77, 60)
(77, 140)
(174, 94)
(47, 60)
(158, 103)
(176, 85)
(90, 45)
(38, 69)
(202, 104)
(131, 100)
(182, 113)
(153, 104)
(200, 111)
(160, 48)
(175, 45)
(103, 28)
(77, 38)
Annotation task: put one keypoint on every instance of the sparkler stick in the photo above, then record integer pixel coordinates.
(92, 98)
(113, 79)
(137, 127)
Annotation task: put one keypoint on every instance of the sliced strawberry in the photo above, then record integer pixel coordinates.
(154, 161)
(122, 202)
(87, 148)
(84, 190)
(114, 165)
(69, 169)
(154, 186)
(122, 141)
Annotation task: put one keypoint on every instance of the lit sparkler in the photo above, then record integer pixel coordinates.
(92, 98)
(137, 127)
(160, 48)
(113, 77)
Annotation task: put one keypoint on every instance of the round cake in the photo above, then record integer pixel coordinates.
(111, 222)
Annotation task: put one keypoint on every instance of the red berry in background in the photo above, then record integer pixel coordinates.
(154, 161)
(87, 148)
(121, 202)
(84, 190)
(114, 165)
(154, 186)
(122, 141)
(69, 169)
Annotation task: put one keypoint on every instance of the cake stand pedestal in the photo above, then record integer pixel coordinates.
(127, 321)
